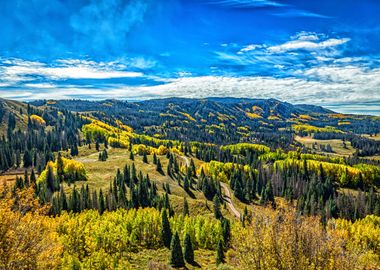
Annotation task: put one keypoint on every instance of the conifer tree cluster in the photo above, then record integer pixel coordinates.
(103, 155)
(35, 146)
(142, 193)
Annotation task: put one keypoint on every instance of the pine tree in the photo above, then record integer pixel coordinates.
(26, 178)
(50, 179)
(33, 178)
(186, 184)
(145, 158)
(74, 150)
(27, 159)
(267, 195)
(185, 207)
(102, 204)
(159, 167)
(176, 255)
(134, 174)
(220, 253)
(188, 250)
(166, 233)
(217, 212)
(238, 190)
(60, 167)
(63, 200)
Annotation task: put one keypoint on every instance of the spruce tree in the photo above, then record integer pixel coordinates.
(166, 232)
(159, 167)
(50, 179)
(102, 204)
(186, 184)
(185, 207)
(217, 212)
(63, 200)
(226, 226)
(26, 178)
(33, 178)
(145, 158)
(220, 253)
(188, 250)
(60, 167)
(176, 255)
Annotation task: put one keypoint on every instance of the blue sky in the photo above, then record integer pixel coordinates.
(324, 52)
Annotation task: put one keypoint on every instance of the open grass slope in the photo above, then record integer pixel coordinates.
(101, 173)
(18, 109)
(336, 145)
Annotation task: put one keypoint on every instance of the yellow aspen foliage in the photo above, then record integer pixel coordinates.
(222, 170)
(363, 237)
(341, 173)
(73, 170)
(28, 238)
(313, 129)
(284, 240)
(241, 147)
(37, 120)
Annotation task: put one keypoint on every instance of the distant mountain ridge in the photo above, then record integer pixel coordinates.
(285, 109)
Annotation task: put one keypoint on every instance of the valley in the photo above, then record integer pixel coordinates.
(109, 171)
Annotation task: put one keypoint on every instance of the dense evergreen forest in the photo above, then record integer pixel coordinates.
(106, 180)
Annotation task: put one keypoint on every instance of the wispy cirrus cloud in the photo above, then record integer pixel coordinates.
(301, 51)
(282, 10)
(15, 71)
(247, 3)
(300, 13)
(309, 42)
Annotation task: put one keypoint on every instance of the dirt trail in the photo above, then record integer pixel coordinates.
(226, 196)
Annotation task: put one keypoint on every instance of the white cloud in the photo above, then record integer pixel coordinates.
(320, 86)
(40, 85)
(307, 45)
(292, 89)
(250, 47)
(13, 71)
(300, 13)
(247, 3)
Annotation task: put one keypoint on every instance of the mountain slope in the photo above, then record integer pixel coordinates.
(18, 110)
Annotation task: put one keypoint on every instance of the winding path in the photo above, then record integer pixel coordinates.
(226, 196)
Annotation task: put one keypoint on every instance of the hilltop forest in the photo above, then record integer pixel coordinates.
(217, 183)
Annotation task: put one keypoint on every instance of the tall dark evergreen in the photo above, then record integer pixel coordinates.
(220, 253)
(188, 250)
(60, 167)
(185, 211)
(145, 157)
(176, 255)
(159, 167)
(217, 211)
(166, 232)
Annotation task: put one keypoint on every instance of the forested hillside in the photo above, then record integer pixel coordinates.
(187, 183)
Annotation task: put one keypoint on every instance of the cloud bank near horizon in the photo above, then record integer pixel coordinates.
(292, 50)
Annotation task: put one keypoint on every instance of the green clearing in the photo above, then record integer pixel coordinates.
(336, 145)
(100, 173)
